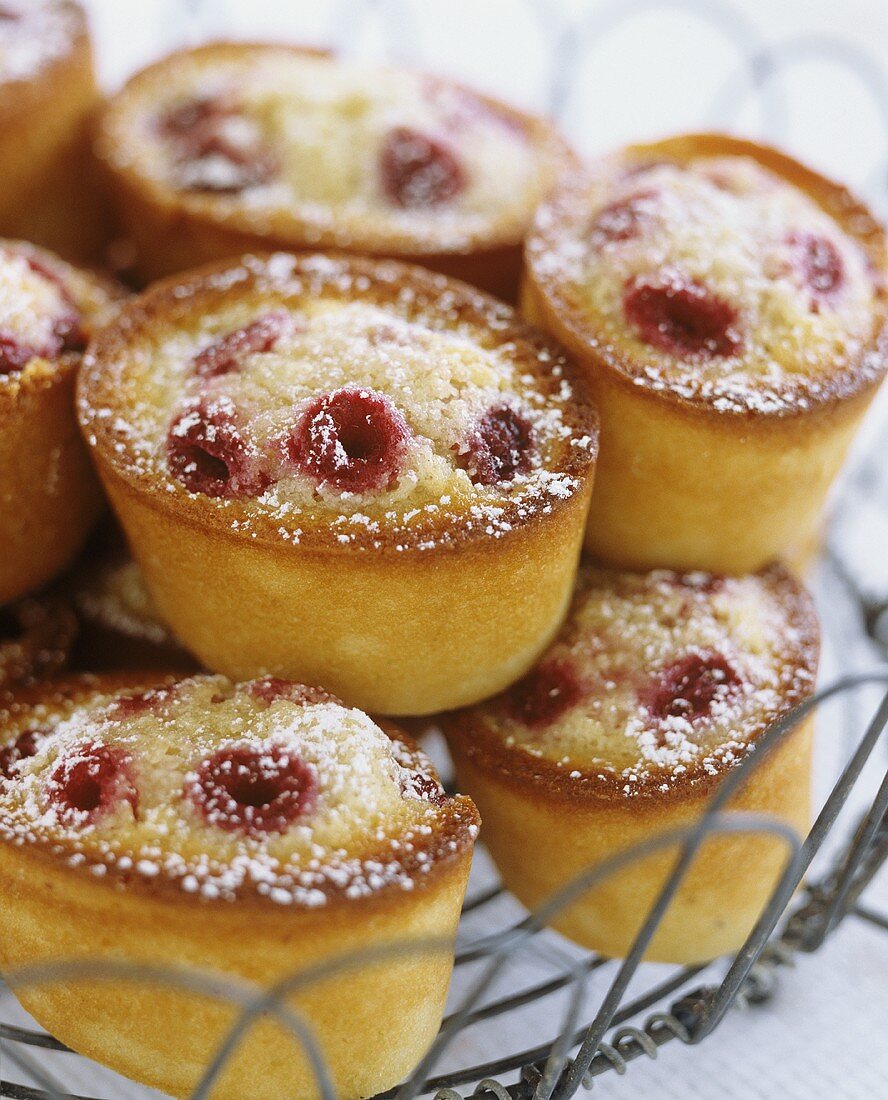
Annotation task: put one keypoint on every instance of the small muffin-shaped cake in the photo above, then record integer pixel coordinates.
(345, 471)
(49, 495)
(658, 684)
(729, 306)
(232, 147)
(36, 638)
(252, 831)
(49, 192)
(119, 627)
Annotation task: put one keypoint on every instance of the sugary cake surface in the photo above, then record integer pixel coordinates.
(47, 310)
(345, 148)
(34, 33)
(660, 674)
(319, 392)
(114, 595)
(713, 279)
(267, 789)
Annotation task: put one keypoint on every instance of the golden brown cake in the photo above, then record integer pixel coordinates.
(729, 305)
(345, 471)
(233, 147)
(119, 627)
(49, 192)
(251, 831)
(657, 686)
(49, 495)
(36, 637)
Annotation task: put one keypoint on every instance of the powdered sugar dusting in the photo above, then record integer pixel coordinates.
(376, 817)
(803, 297)
(33, 34)
(352, 326)
(669, 673)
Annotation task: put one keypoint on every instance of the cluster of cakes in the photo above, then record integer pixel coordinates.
(351, 485)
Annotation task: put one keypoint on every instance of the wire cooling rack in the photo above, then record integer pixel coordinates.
(590, 1015)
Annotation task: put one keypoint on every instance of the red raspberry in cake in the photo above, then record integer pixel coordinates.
(500, 447)
(818, 263)
(217, 147)
(272, 688)
(222, 793)
(690, 686)
(657, 676)
(253, 790)
(545, 694)
(227, 353)
(419, 171)
(353, 440)
(91, 781)
(208, 453)
(22, 748)
(681, 317)
(623, 219)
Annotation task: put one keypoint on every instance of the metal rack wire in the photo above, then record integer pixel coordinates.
(575, 1055)
(629, 1020)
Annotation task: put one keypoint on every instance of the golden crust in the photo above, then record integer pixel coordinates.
(174, 231)
(290, 280)
(424, 855)
(474, 737)
(430, 591)
(547, 301)
(45, 121)
(51, 496)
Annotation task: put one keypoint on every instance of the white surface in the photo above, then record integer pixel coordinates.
(619, 70)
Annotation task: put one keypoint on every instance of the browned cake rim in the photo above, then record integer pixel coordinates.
(541, 780)
(382, 281)
(430, 857)
(291, 229)
(574, 327)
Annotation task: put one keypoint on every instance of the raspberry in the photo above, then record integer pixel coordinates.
(545, 693)
(690, 686)
(218, 148)
(14, 355)
(253, 790)
(208, 453)
(90, 782)
(622, 220)
(500, 447)
(23, 748)
(225, 354)
(681, 317)
(418, 171)
(818, 262)
(353, 439)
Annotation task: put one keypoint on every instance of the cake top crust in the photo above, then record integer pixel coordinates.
(717, 272)
(346, 402)
(266, 790)
(656, 680)
(48, 311)
(34, 34)
(111, 592)
(320, 152)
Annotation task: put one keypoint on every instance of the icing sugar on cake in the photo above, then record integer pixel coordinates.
(219, 790)
(659, 676)
(33, 33)
(299, 393)
(282, 132)
(713, 279)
